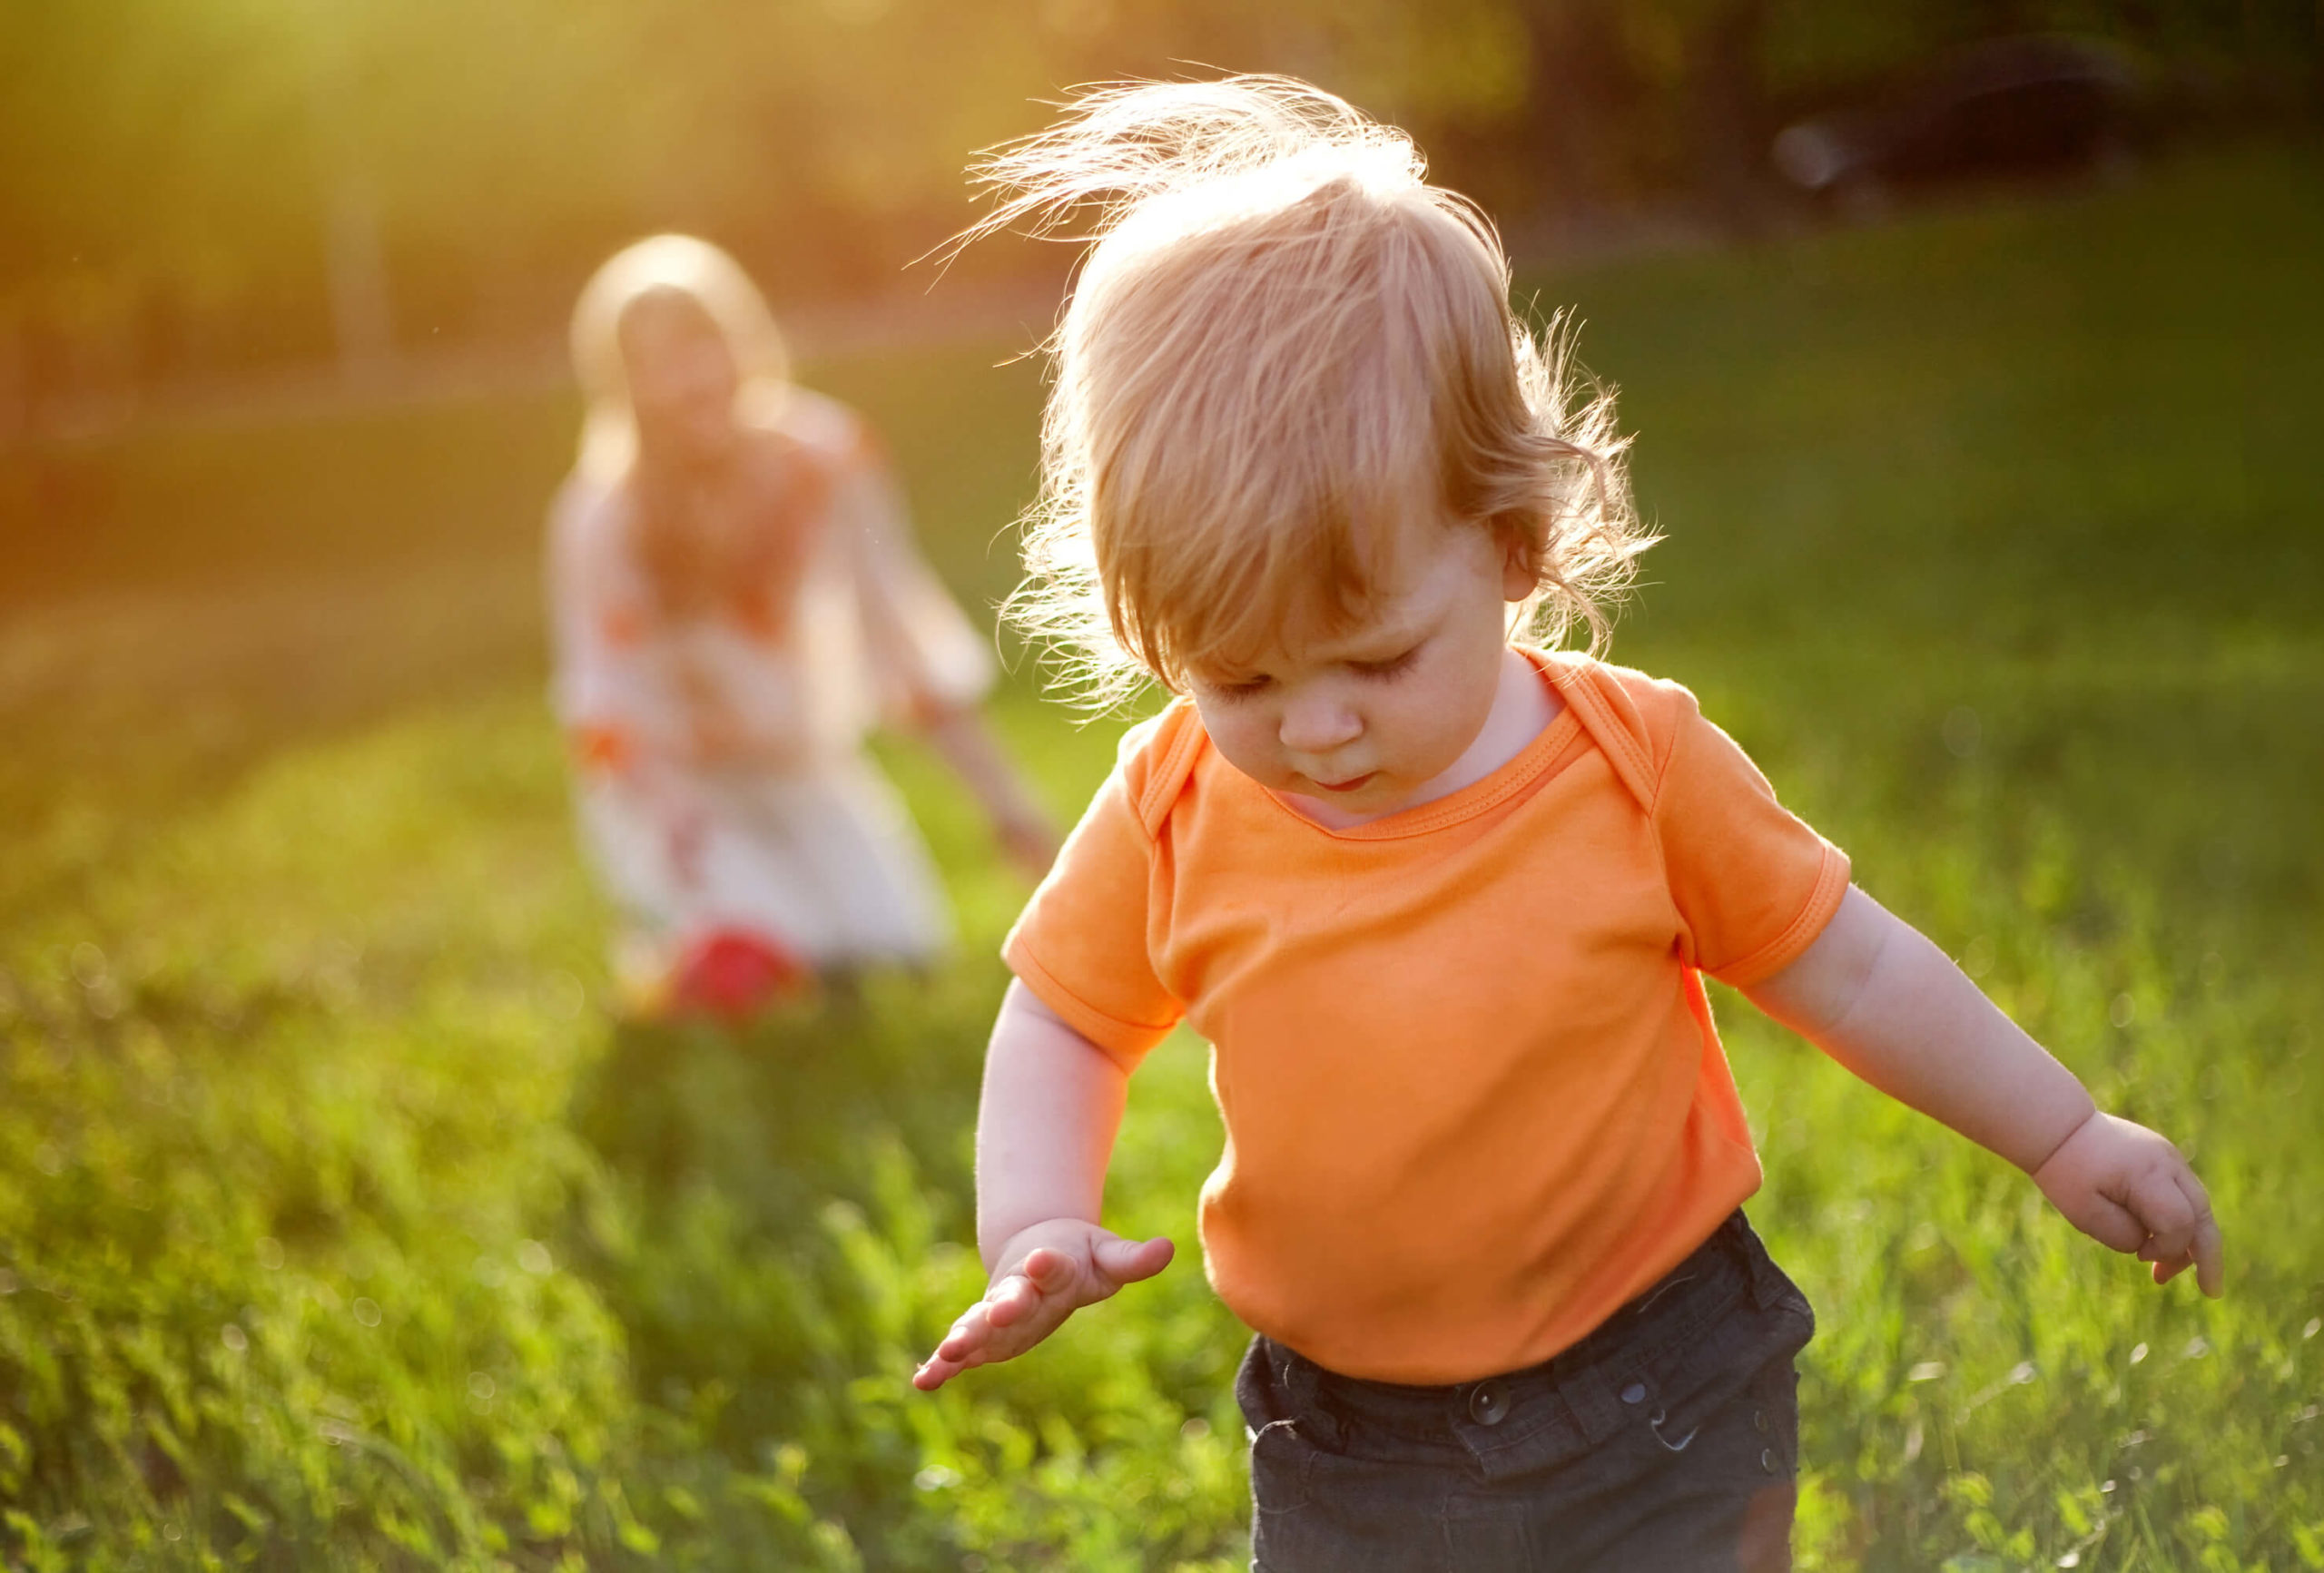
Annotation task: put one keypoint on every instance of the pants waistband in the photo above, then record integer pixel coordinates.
(1624, 1366)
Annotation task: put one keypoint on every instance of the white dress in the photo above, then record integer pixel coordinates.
(816, 853)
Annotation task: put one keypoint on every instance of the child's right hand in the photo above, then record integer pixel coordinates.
(1042, 1276)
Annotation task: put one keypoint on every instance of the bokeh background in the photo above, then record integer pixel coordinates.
(1976, 388)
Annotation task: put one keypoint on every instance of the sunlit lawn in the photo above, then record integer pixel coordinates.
(338, 1228)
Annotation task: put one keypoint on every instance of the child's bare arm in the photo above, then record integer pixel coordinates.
(1876, 994)
(1052, 1102)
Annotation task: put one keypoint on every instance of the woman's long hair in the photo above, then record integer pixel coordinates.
(715, 282)
(693, 564)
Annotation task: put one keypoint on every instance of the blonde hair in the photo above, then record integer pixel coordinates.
(1283, 342)
(712, 280)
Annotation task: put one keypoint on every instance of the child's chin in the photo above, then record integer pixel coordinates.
(1372, 801)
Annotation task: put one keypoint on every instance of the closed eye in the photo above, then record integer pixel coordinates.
(1249, 688)
(1394, 666)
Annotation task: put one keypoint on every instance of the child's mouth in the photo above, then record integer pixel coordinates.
(1352, 784)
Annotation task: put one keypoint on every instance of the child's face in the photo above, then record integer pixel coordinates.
(1361, 718)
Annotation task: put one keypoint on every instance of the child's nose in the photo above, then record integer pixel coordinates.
(1318, 724)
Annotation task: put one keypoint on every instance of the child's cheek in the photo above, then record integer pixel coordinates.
(1440, 737)
(1437, 726)
(1241, 739)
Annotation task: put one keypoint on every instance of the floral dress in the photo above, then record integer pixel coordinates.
(808, 846)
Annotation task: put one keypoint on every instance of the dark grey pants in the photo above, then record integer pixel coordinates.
(1665, 1441)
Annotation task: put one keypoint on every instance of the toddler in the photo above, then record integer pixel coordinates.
(1442, 902)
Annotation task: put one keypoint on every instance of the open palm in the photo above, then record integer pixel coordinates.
(1044, 1275)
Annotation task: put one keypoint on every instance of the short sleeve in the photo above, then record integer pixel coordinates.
(1754, 884)
(1081, 945)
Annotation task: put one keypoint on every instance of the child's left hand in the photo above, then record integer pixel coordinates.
(2127, 1186)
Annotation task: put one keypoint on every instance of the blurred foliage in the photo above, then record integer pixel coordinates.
(337, 1230)
(180, 176)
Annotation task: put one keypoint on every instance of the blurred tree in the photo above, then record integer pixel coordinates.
(1588, 96)
(176, 170)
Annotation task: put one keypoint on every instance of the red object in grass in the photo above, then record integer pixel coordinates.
(732, 974)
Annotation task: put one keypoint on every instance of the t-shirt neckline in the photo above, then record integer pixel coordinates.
(1479, 796)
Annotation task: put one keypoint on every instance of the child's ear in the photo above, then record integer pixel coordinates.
(1519, 575)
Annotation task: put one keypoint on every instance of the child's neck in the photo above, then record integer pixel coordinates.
(1523, 705)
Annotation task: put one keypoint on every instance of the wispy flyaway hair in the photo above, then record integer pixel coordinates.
(1284, 347)
(712, 280)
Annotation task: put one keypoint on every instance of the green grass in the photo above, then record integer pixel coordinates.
(337, 1228)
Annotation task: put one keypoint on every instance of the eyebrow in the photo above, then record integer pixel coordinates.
(1416, 615)
(1382, 641)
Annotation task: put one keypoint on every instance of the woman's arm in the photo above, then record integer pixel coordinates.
(961, 736)
(1876, 994)
(1045, 1128)
(583, 680)
(929, 663)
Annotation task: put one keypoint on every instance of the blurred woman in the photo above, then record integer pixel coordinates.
(736, 602)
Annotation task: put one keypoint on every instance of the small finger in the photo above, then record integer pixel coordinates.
(937, 1369)
(2167, 1214)
(2110, 1225)
(967, 1333)
(1129, 1261)
(1046, 1269)
(2172, 1267)
(2192, 1185)
(2209, 1248)
(1010, 1300)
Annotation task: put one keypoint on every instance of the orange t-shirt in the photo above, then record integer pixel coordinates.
(1473, 1095)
